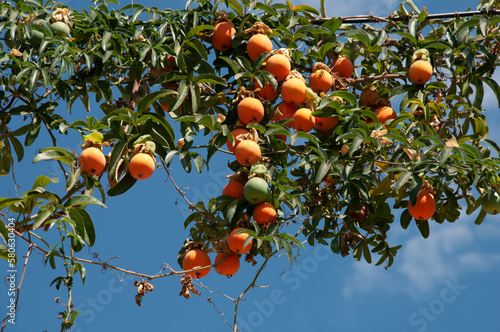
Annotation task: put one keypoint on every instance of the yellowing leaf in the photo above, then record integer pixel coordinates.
(95, 137)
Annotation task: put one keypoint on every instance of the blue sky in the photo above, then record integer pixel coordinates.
(448, 282)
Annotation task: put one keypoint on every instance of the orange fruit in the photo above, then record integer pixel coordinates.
(258, 44)
(321, 81)
(343, 67)
(247, 153)
(229, 263)
(293, 91)
(222, 39)
(235, 242)
(285, 111)
(237, 132)
(303, 120)
(327, 123)
(425, 206)
(420, 72)
(267, 92)
(385, 113)
(279, 66)
(233, 189)
(369, 97)
(196, 258)
(92, 161)
(264, 214)
(141, 166)
(250, 110)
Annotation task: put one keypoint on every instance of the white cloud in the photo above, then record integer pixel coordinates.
(423, 264)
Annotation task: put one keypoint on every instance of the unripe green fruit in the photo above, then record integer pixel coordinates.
(491, 202)
(36, 37)
(256, 190)
(61, 29)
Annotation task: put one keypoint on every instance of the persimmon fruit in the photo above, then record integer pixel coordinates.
(258, 44)
(235, 241)
(325, 124)
(343, 67)
(256, 190)
(227, 264)
(285, 111)
(250, 110)
(141, 166)
(279, 66)
(247, 153)
(197, 258)
(321, 81)
(61, 29)
(425, 206)
(490, 202)
(92, 161)
(420, 72)
(234, 189)
(385, 113)
(267, 92)
(303, 120)
(222, 39)
(293, 91)
(369, 97)
(264, 214)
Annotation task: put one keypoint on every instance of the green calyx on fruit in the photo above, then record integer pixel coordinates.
(491, 202)
(256, 190)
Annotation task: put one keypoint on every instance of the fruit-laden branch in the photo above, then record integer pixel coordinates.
(106, 265)
(373, 19)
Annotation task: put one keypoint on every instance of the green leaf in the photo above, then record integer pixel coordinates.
(151, 98)
(346, 96)
(480, 217)
(125, 183)
(423, 227)
(291, 238)
(4, 232)
(305, 8)
(42, 216)
(56, 153)
(403, 178)
(83, 223)
(43, 181)
(209, 78)
(34, 130)
(366, 253)
(405, 219)
(74, 175)
(83, 200)
(288, 250)
(18, 147)
(235, 5)
(5, 202)
(4, 253)
(197, 29)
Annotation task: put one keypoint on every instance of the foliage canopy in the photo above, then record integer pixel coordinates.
(164, 90)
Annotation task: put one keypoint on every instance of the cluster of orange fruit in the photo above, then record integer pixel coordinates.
(255, 191)
(294, 93)
(93, 162)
